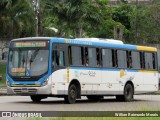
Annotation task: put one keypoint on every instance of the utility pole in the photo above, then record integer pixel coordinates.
(36, 7)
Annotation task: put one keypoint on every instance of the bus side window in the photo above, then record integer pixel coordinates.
(149, 60)
(142, 60)
(90, 55)
(82, 55)
(69, 55)
(129, 59)
(107, 58)
(61, 58)
(53, 61)
(135, 60)
(114, 58)
(86, 57)
(57, 58)
(98, 57)
(154, 60)
(122, 62)
(76, 55)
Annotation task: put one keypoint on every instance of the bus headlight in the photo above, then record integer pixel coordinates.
(45, 82)
(7, 82)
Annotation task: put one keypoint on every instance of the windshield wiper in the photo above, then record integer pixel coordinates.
(34, 56)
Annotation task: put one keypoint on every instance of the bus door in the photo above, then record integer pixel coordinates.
(59, 62)
(58, 56)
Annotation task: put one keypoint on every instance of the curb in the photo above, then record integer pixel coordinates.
(3, 91)
(3, 62)
(2, 86)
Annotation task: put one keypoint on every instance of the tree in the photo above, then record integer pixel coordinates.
(149, 29)
(76, 17)
(148, 24)
(124, 14)
(17, 19)
(3, 18)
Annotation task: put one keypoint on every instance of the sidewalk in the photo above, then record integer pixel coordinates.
(3, 90)
(157, 93)
(2, 61)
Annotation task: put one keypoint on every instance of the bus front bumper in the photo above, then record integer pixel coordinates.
(22, 90)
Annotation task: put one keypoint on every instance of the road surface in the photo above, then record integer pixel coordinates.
(24, 103)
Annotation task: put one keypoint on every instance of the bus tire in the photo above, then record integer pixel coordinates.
(35, 98)
(72, 94)
(128, 94)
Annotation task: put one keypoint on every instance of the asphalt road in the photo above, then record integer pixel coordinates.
(24, 103)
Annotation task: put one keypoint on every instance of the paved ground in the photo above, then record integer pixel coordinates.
(3, 91)
(23, 103)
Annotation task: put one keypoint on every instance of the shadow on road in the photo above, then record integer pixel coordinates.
(79, 101)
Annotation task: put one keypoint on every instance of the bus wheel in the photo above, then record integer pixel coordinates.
(128, 94)
(35, 98)
(72, 94)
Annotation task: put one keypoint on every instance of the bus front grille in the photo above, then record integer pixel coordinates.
(25, 90)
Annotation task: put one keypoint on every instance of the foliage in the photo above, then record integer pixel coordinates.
(147, 24)
(81, 18)
(16, 19)
(3, 73)
(125, 14)
(72, 17)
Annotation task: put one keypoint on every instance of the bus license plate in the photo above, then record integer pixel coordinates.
(24, 90)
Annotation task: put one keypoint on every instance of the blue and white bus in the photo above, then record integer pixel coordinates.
(42, 67)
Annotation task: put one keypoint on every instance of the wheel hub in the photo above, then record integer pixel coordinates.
(72, 93)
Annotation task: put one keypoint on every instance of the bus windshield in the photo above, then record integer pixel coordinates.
(28, 62)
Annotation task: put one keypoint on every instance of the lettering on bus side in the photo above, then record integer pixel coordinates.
(92, 73)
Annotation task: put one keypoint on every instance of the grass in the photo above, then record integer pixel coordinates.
(3, 74)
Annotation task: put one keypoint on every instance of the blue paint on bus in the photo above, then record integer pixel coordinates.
(95, 44)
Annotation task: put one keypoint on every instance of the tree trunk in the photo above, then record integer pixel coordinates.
(12, 29)
(80, 29)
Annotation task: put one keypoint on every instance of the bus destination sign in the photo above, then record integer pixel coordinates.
(30, 44)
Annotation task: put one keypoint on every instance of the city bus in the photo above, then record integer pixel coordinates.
(42, 67)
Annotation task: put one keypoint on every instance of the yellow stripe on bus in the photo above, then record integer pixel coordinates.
(66, 41)
(68, 75)
(148, 71)
(146, 48)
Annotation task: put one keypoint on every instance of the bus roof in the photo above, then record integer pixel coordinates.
(32, 38)
(111, 43)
